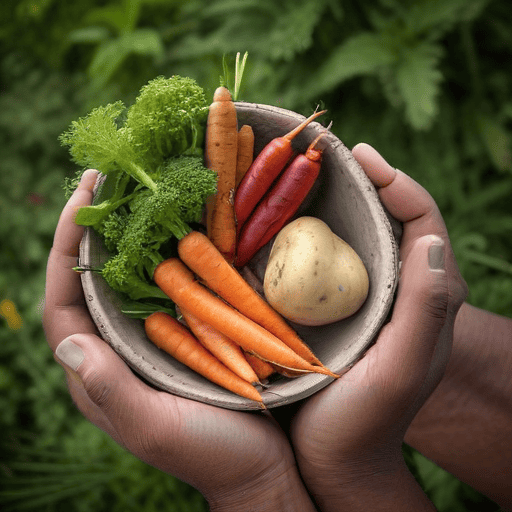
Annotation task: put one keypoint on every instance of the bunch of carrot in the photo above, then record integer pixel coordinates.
(234, 338)
(229, 152)
(250, 207)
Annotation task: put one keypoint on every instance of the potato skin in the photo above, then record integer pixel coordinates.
(313, 277)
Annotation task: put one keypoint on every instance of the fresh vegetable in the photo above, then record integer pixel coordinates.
(245, 152)
(167, 119)
(280, 203)
(263, 369)
(201, 256)
(313, 277)
(155, 183)
(171, 336)
(137, 233)
(225, 350)
(178, 282)
(264, 170)
(154, 186)
(221, 155)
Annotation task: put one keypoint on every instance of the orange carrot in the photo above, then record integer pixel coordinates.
(179, 284)
(225, 350)
(171, 336)
(201, 256)
(263, 369)
(287, 372)
(220, 155)
(245, 151)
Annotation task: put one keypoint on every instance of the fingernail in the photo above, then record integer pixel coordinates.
(382, 172)
(70, 353)
(436, 254)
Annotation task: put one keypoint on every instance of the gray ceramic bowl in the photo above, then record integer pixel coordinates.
(347, 201)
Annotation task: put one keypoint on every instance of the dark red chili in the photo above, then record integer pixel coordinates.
(264, 170)
(280, 203)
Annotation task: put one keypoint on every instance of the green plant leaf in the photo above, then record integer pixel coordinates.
(120, 18)
(144, 42)
(418, 82)
(107, 59)
(288, 27)
(239, 73)
(434, 17)
(497, 141)
(89, 35)
(366, 53)
(111, 54)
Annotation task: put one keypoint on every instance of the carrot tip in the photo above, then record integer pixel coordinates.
(303, 124)
(325, 371)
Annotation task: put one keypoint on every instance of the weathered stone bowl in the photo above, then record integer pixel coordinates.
(347, 201)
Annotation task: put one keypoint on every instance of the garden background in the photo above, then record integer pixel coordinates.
(427, 82)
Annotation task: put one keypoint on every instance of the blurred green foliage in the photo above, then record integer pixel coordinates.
(427, 82)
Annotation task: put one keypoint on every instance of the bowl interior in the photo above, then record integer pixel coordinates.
(346, 200)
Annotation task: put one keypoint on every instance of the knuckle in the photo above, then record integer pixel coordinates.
(459, 291)
(150, 443)
(98, 390)
(436, 302)
(154, 441)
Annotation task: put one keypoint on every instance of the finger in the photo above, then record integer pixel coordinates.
(404, 198)
(65, 311)
(82, 401)
(376, 168)
(103, 387)
(408, 342)
(411, 204)
(150, 424)
(68, 234)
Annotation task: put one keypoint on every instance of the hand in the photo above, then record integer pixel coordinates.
(348, 437)
(232, 458)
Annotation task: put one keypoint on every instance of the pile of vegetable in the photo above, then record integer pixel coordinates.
(182, 206)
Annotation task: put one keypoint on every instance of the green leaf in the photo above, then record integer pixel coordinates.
(120, 18)
(288, 27)
(433, 18)
(363, 54)
(88, 35)
(144, 42)
(110, 55)
(497, 141)
(95, 214)
(107, 59)
(418, 82)
(239, 73)
(294, 27)
(141, 310)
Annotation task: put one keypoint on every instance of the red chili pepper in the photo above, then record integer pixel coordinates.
(264, 170)
(280, 203)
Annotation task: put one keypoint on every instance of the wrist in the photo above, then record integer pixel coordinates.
(281, 490)
(466, 424)
(371, 484)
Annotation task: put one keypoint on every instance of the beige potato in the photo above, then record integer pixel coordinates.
(313, 277)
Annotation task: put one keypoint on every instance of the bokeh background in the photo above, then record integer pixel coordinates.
(427, 82)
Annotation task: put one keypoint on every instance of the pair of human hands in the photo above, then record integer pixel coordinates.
(344, 434)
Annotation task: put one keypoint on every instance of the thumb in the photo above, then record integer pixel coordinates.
(416, 330)
(103, 386)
